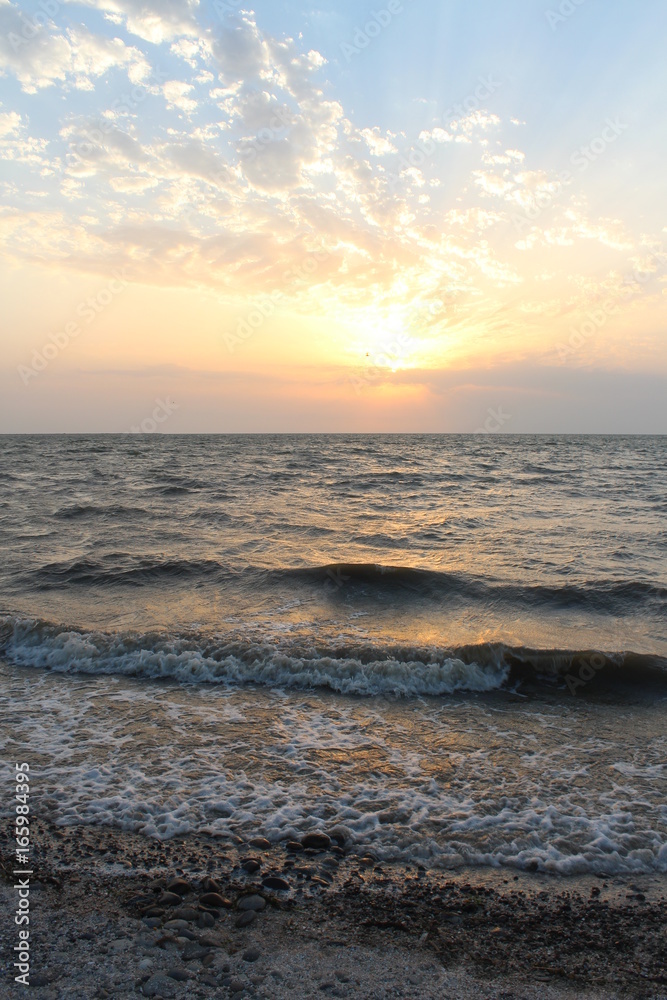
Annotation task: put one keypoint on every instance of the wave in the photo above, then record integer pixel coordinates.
(346, 668)
(73, 511)
(123, 569)
(368, 580)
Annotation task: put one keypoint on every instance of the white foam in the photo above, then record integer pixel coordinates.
(99, 653)
(411, 781)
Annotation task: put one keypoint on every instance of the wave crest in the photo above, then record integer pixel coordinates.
(350, 669)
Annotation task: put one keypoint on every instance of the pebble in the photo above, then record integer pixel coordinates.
(140, 901)
(316, 841)
(246, 918)
(179, 886)
(274, 882)
(159, 986)
(251, 865)
(180, 975)
(210, 885)
(293, 846)
(261, 843)
(121, 944)
(255, 902)
(205, 919)
(186, 913)
(208, 980)
(235, 986)
(170, 899)
(216, 900)
(193, 951)
(152, 922)
(251, 955)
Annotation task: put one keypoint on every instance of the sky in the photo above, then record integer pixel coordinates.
(392, 217)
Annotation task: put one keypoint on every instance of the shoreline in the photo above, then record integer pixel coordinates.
(102, 924)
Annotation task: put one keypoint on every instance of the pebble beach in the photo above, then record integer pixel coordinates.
(119, 916)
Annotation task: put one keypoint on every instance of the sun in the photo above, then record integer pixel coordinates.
(384, 344)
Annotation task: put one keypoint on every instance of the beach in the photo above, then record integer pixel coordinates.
(162, 919)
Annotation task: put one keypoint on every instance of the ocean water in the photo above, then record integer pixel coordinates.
(449, 649)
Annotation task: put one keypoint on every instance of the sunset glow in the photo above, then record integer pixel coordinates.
(220, 206)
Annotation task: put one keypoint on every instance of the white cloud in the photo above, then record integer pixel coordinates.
(241, 54)
(378, 144)
(37, 60)
(272, 171)
(175, 93)
(440, 135)
(48, 57)
(476, 121)
(10, 123)
(503, 159)
(197, 159)
(153, 20)
(492, 184)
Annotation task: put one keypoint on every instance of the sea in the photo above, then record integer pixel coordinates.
(449, 651)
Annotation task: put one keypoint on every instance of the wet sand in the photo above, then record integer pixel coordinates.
(118, 915)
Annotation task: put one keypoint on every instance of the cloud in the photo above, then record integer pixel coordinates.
(44, 57)
(153, 20)
(270, 184)
(378, 144)
(241, 54)
(38, 57)
(199, 160)
(10, 123)
(176, 95)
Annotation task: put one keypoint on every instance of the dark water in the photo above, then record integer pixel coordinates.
(446, 646)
